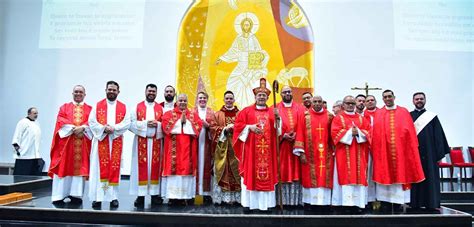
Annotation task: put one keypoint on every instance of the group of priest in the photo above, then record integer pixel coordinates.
(291, 154)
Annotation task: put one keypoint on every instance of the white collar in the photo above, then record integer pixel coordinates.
(202, 109)
(149, 103)
(78, 103)
(322, 109)
(375, 109)
(233, 107)
(260, 107)
(419, 109)
(169, 103)
(111, 102)
(391, 108)
(287, 104)
(350, 113)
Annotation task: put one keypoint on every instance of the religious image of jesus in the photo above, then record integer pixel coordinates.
(250, 57)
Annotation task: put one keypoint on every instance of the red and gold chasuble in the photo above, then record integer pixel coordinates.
(313, 136)
(257, 155)
(180, 150)
(70, 155)
(290, 169)
(351, 160)
(395, 148)
(143, 148)
(110, 161)
(225, 163)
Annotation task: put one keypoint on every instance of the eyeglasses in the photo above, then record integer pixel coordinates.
(349, 103)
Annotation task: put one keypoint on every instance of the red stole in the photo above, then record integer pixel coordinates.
(110, 161)
(289, 163)
(143, 149)
(395, 148)
(351, 160)
(313, 136)
(70, 155)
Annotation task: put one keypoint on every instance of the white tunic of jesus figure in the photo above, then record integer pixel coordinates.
(251, 60)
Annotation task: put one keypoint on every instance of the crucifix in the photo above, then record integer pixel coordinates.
(366, 88)
(320, 130)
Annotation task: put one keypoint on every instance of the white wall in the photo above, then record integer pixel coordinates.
(354, 44)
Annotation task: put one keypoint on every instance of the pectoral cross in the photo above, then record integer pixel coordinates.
(366, 88)
(320, 130)
(105, 187)
(262, 145)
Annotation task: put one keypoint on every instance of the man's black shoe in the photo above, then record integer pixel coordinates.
(96, 204)
(114, 203)
(156, 200)
(139, 202)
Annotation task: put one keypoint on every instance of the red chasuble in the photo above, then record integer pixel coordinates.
(257, 155)
(313, 136)
(70, 155)
(369, 115)
(289, 163)
(395, 148)
(180, 150)
(143, 149)
(110, 161)
(351, 160)
(206, 186)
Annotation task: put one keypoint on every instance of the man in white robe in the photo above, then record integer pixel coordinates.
(146, 152)
(103, 183)
(26, 144)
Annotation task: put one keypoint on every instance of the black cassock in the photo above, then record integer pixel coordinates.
(433, 146)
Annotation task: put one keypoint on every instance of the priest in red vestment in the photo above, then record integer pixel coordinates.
(291, 114)
(146, 151)
(108, 121)
(203, 178)
(181, 129)
(70, 149)
(226, 187)
(314, 146)
(350, 134)
(255, 148)
(395, 152)
(369, 114)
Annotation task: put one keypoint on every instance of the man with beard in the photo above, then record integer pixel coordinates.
(226, 165)
(433, 146)
(169, 94)
(395, 154)
(255, 148)
(350, 134)
(70, 149)
(336, 108)
(108, 121)
(360, 104)
(313, 145)
(307, 100)
(290, 112)
(181, 129)
(146, 163)
(206, 115)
